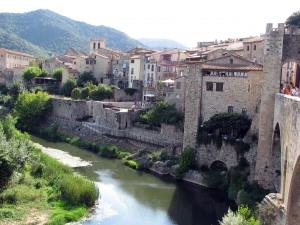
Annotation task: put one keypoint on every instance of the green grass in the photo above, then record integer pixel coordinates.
(62, 213)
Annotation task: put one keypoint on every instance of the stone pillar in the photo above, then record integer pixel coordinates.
(271, 85)
(192, 105)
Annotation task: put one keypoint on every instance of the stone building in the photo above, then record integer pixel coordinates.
(253, 49)
(10, 59)
(229, 83)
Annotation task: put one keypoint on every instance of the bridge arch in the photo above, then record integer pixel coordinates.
(218, 166)
(293, 207)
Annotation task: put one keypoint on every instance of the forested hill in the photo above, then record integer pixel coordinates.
(43, 32)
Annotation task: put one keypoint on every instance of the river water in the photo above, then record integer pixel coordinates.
(128, 197)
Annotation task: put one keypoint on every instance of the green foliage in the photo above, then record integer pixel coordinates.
(31, 72)
(132, 164)
(186, 161)
(231, 124)
(162, 112)
(237, 181)
(76, 93)
(44, 73)
(251, 194)
(68, 86)
(294, 19)
(57, 74)
(6, 213)
(63, 213)
(85, 78)
(130, 91)
(30, 108)
(77, 190)
(243, 216)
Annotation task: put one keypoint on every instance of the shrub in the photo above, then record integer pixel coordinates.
(85, 78)
(31, 72)
(76, 93)
(57, 74)
(101, 92)
(77, 190)
(132, 164)
(84, 94)
(232, 124)
(107, 151)
(130, 91)
(186, 162)
(243, 216)
(67, 88)
(6, 213)
(294, 19)
(30, 108)
(162, 112)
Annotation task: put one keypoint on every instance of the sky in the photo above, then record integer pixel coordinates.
(185, 21)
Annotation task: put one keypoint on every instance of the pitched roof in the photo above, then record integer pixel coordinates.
(232, 67)
(16, 52)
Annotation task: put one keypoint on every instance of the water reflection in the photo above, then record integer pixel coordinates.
(136, 198)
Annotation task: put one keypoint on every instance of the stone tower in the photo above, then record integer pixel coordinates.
(192, 105)
(271, 85)
(96, 43)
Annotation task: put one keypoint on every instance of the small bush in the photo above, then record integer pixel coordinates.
(85, 78)
(57, 74)
(67, 88)
(186, 162)
(7, 213)
(132, 164)
(243, 216)
(31, 72)
(77, 190)
(76, 93)
(107, 151)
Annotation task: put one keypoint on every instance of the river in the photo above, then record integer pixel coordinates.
(128, 197)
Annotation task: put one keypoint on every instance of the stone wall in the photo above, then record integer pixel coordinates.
(121, 96)
(103, 120)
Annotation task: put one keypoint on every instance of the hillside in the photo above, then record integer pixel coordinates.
(160, 44)
(42, 32)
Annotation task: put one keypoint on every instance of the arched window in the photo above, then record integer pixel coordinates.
(98, 45)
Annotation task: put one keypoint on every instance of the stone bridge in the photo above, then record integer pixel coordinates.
(286, 161)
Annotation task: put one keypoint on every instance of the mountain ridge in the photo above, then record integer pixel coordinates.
(44, 32)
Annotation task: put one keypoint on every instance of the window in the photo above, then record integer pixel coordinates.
(132, 61)
(219, 86)
(209, 86)
(94, 47)
(178, 85)
(254, 47)
(248, 48)
(148, 66)
(132, 71)
(231, 61)
(152, 68)
(230, 109)
(244, 111)
(98, 45)
(159, 69)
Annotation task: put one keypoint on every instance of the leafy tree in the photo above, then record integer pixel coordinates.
(294, 19)
(101, 92)
(30, 109)
(162, 112)
(44, 73)
(68, 86)
(31, 72)
(76, 93)
(57, 74)
(84, 94)
(186, 161)
(85, 78)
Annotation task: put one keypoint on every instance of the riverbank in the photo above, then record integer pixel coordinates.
(34, 187)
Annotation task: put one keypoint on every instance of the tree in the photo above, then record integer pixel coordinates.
(31, 72)
(44, 73)
(294, 19)
(30, 109)
(68, 87)
(76, 93)
(57, 74)
(84, 78)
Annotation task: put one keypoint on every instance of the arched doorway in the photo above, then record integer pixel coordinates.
(218, 166)
(276, 158)
(293, 209)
